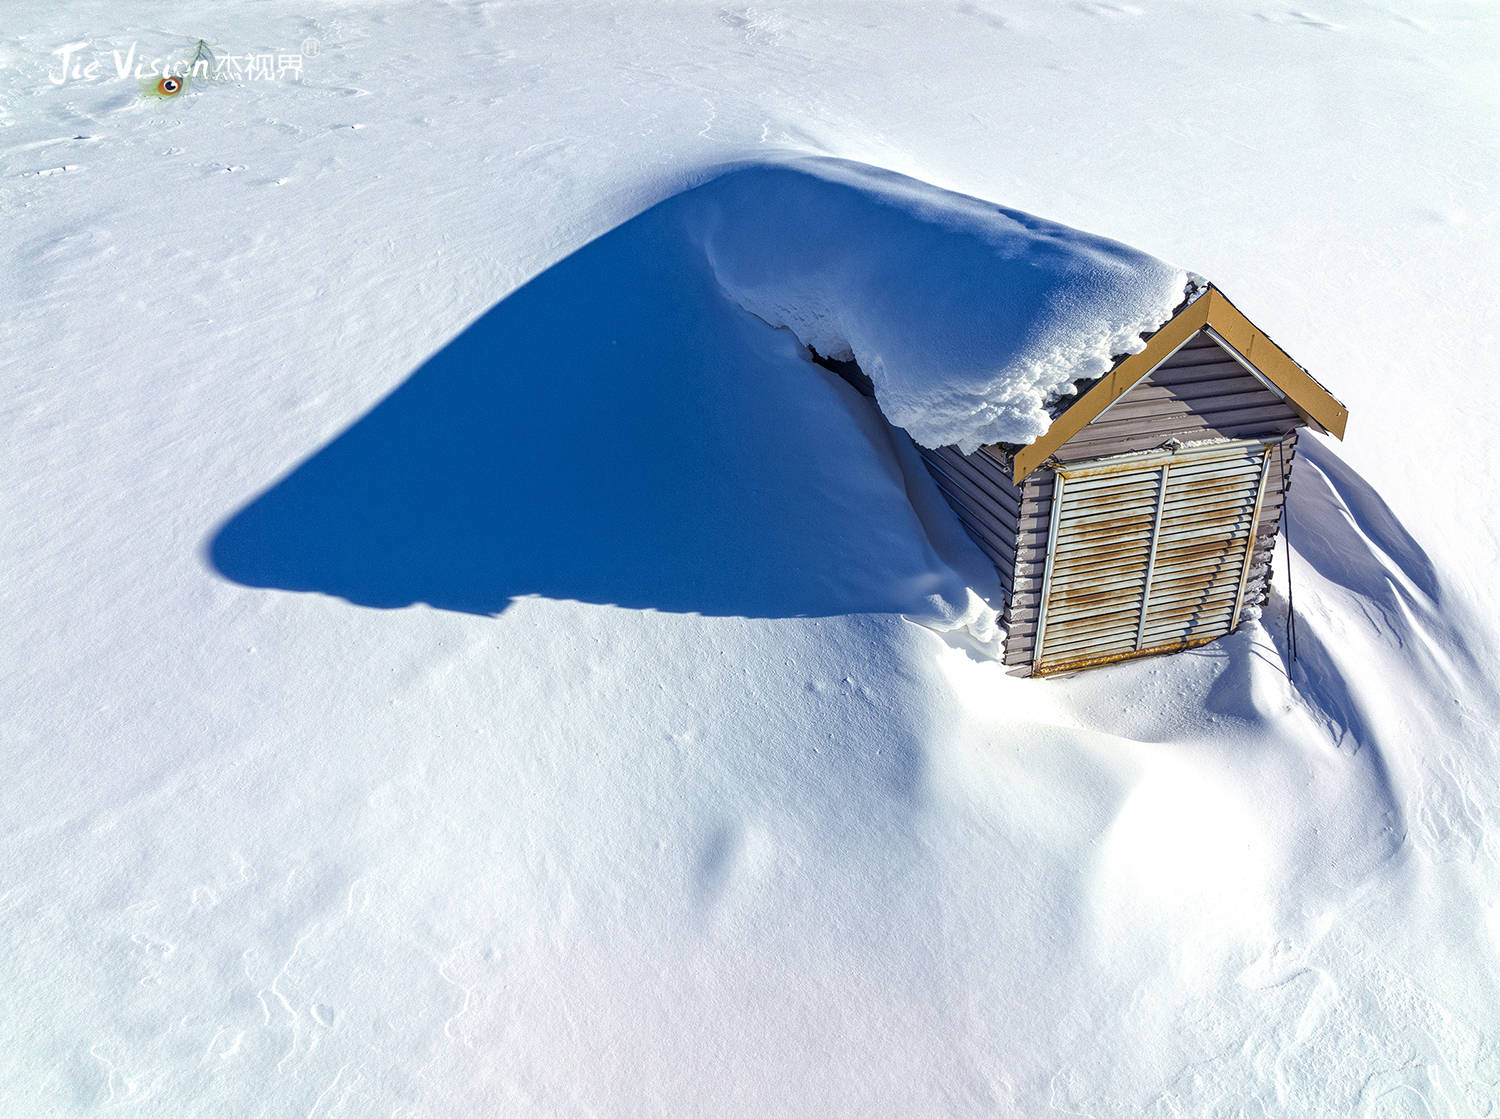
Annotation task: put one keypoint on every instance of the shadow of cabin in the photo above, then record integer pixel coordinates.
(615, 432)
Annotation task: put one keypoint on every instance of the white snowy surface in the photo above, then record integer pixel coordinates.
(429, 692)
(969, 319)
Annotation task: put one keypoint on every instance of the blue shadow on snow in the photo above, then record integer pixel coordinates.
(612, 432)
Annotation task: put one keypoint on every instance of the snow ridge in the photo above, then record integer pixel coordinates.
(969, 318)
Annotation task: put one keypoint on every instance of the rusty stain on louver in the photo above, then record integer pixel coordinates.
(1145, 519)
(1148, 553)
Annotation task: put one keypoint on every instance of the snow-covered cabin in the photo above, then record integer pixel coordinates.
(1143, 519)
(1112, 432)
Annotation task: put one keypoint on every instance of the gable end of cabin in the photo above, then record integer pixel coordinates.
(1146, 524)
(1201, 398)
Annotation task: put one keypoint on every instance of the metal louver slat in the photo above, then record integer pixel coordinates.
(1095, 541)
(1086, 578)
(1168, 597)
(1095, 597)
(1147, 553)
(1090, 649)
(1194, 573)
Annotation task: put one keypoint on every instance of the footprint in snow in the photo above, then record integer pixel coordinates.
(1107, 10)
(1301, 19)
(756, 27)
(994, 19)
(732, 853)
(1307, 19)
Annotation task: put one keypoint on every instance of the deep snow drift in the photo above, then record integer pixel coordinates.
(608, 434)
(969, 318)
(550, 739)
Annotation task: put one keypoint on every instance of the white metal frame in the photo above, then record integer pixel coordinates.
(1161, 503)
(1139, 460)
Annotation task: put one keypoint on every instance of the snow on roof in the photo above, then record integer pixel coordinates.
(971, 319)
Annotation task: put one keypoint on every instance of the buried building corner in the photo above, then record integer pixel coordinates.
(1143, 520)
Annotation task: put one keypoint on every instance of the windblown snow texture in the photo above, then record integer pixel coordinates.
(639, 795)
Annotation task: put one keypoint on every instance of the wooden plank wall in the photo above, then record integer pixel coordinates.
(1258, 583)
(987, 502)
(1200, 392)
(1031, 564)
(1031, 556)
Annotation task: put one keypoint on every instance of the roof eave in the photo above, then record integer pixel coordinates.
(1212, 309)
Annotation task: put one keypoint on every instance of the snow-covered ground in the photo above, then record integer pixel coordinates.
(458, 662)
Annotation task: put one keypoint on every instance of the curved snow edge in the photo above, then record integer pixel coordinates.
(969, 318)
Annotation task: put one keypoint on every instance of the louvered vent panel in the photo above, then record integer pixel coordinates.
(1148, 555)
(1097, 564)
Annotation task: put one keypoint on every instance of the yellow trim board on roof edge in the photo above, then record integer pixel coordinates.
(1211, 309)
(1315, 402)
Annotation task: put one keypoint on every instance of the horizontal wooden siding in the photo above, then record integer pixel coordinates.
(987, 502)
(1200, 392)
(1031, 566)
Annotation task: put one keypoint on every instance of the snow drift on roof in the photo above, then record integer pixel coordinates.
(969, 318)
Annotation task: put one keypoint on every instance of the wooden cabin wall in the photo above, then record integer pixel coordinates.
(1009, 523)
(1024, 606)
(988, 504)
(1258, 582)
(1200, 392)
(1035, 524)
